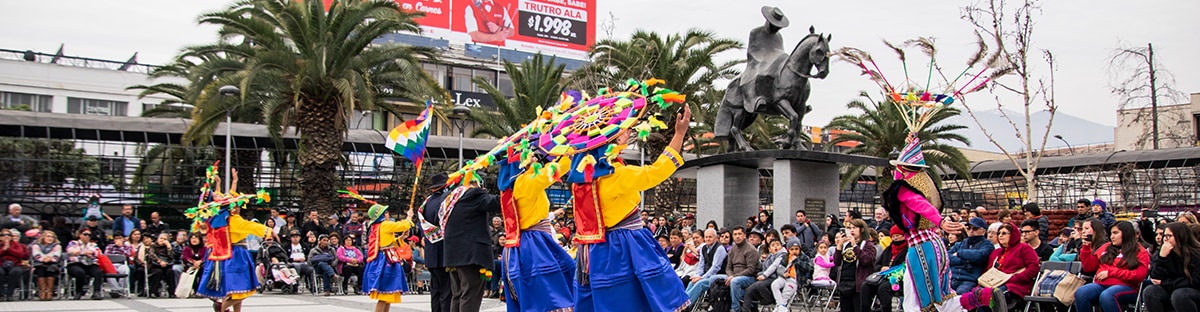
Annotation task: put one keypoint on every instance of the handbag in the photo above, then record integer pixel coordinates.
(1059, 284)
(875, 278)
(993, 277)
(405, 251)
(186, 279)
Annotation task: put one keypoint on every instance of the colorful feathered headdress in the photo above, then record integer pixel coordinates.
(374, 213)
(212, 203)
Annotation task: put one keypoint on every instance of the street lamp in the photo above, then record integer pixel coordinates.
(460, 111)
(234, 92)
(1060, 138)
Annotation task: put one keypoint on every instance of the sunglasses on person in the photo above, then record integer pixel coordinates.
(1027, 231)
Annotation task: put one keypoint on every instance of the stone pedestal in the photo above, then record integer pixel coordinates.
(804, 185)
(727, 184)
(726, 194)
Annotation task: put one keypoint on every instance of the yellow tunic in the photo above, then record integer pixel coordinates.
(618, 191)
(239, 228)
(387, 238)
(529, 193)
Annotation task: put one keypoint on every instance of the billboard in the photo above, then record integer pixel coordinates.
(565, 28)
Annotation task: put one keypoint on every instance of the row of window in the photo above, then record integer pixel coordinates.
(82, 106)
(460, 78)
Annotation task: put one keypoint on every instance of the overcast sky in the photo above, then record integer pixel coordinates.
(1081, 33)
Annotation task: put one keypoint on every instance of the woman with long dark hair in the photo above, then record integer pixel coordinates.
(1119, 268)
(856, 260)
(763, 223)
(1175, 273)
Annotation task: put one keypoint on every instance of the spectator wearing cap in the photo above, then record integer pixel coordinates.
(334, 226)
(757, 241)
(892, 256)
(322, 258)
(1100, 211)
(969, 258)
(688, 222)
(1032, 212)
(92, 223)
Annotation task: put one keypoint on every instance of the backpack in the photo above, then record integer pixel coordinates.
(719, 298)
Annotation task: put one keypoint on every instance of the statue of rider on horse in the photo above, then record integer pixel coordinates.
(774, 82)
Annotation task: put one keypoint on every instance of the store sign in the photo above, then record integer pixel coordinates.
(473, 99)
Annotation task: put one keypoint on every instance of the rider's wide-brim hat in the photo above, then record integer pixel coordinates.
(775, 16)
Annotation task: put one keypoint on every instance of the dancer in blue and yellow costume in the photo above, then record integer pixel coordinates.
(228, 276)
(538, 274)
(621, 266)
(383, 277)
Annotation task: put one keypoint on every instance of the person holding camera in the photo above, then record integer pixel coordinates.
(81, 263)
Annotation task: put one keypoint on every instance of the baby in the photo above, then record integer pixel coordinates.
(822, 264)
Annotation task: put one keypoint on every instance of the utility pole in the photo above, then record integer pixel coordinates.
(1153, 95)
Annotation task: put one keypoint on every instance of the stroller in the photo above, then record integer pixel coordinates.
(275, 271)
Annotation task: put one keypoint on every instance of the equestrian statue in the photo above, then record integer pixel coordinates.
(774, 82)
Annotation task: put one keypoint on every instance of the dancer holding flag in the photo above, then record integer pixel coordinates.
(228, 276)
(383, 276)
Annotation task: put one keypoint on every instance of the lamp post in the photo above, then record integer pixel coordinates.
(235, 92)
(1060, 138)
(460, 111)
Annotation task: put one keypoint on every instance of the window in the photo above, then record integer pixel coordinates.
(506, 86)
(112, 166)
(36, 102)
(488, 76)
(462, 79)
(96, 107)
(438, 72)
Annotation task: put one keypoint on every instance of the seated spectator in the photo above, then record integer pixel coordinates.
(322, 257)
(969, 258)
(1004, 216)
(193, 255)
(158, 265)
(14, 262)
(788, 232)
(1118, 269)
(81, 264)
(741, 263)
(1029, 235)
(763, 224)
(122, 248)
(785, 266)
(298, 255)
(350, 261)
(1100, 211)
(1069, 250)
(674, 247)
(855, 259)
(1175, 273)
(1033, 213)
(46, 254)
(892, 256)
(1013, 257)
(821, 265)
(712, 265)
(689, 264)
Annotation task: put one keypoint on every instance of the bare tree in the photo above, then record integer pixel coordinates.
(1140, 80)
(1011, 30)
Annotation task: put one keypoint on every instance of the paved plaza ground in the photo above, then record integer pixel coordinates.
(257, 303)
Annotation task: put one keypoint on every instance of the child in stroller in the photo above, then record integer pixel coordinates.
(274, 269)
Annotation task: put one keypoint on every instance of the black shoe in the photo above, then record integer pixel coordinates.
(96, 295)
(77, 296)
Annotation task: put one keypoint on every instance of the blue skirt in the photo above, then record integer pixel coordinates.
(539, 275)
(629, 272)
(383, 277)
(236, 275)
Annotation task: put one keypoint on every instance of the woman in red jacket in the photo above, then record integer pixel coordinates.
(1120, 266)
(1013, 257)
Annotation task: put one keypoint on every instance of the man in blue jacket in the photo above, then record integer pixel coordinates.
(969, 258)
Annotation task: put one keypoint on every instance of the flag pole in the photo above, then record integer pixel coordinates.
(416, 181)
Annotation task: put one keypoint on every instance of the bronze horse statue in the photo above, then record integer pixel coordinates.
(783, 89)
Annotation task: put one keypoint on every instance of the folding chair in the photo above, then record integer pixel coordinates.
(1037, 301)
(701, 304)
(115, 259)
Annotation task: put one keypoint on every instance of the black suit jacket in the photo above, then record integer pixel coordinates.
(468, 230)
(433, 251)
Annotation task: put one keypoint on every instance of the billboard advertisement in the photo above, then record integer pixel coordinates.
(564, 28)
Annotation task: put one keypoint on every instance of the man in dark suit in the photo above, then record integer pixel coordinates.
(439, 283)
(466, 229)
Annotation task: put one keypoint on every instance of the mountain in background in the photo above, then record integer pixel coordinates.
(1077, 131)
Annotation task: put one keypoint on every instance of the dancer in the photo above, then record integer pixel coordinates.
(228, 276)
(383, 277)
(538, 274)
(621, 267)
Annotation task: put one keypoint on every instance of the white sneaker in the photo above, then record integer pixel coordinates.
(781, 308)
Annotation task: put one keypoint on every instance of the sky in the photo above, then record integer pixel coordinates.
(1082, 34)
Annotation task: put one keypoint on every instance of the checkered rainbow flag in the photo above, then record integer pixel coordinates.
(409, 138)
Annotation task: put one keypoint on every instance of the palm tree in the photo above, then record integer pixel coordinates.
(536, 83)
(684, 61)
(879, 130)
(310, 68)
